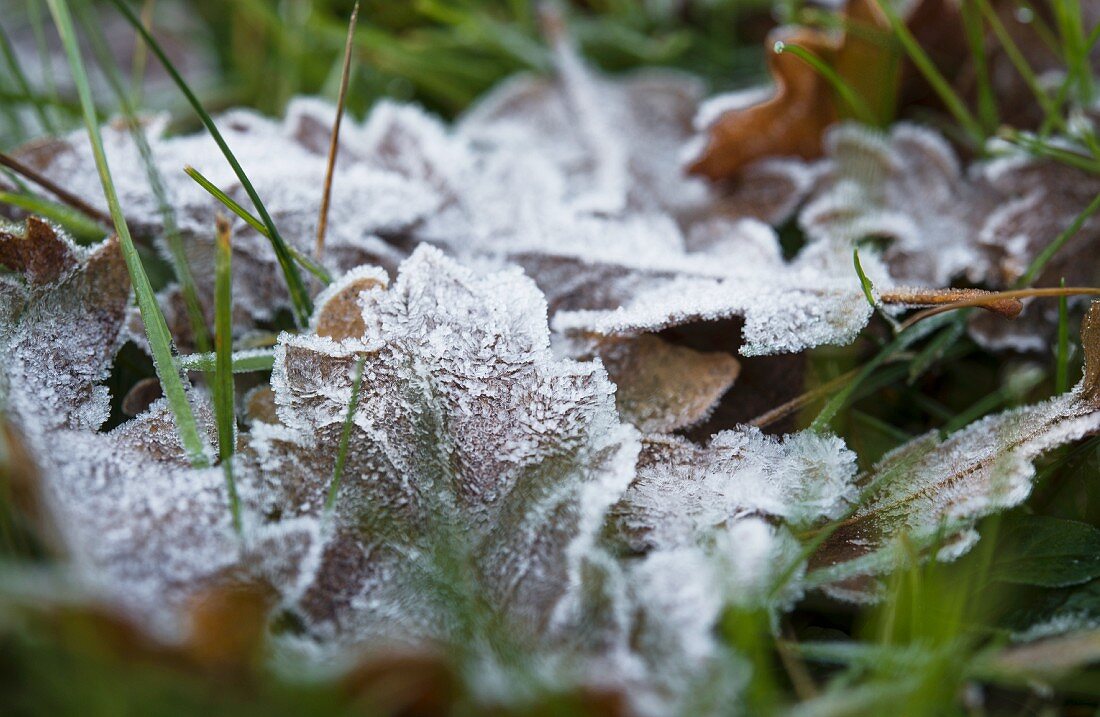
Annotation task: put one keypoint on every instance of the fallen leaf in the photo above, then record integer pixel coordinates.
(662, 387)
(933, 490)
(747, 127)
(465, 420)
(909, 188)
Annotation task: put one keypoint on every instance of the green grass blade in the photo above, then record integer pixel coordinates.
(241, 361)
(860, 110)
(308, 264)
(299, 297)
(1050, 109)
(20, 78)
(864, 282)
(83, 229)
(928, 70)
(1041, 148)
(172, 239)
(224, 411)
(345, 436)
(975, 40)
(160, 340)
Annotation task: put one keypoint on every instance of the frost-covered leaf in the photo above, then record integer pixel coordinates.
(1042, 199)
(383, 185)
(683, 491)
(467, 430)
(615, 142)
(934, 489)
(140, 529)
(909, 188)
(816, 299)
(61, 312)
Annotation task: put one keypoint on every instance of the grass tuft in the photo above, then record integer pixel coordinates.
(156, 329)
(299, 297)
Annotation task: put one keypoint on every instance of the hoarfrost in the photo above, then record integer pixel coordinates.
(142, 530)
(909, 188)
(466, 425)
(931, 487)
(684, 492)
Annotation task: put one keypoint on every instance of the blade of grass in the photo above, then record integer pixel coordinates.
(928, 70)
(224, 412)
(141, 57)
(20, 78)
(1050, 109)
(1061, 361)
(1041, 148)
(1067, 16)
(160, 340)
(334, 140)
(975, 39)
(864, 282)
(843, 90)
(241, 361)
(38, 28)
(345, 436)
(83, 229)
(172, 239)
(299, 297)
(308, 264)
(1039, 263)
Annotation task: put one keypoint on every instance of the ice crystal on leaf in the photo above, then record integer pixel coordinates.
(467, 429)
(684, 492)
(1042, 199)
(786, 308)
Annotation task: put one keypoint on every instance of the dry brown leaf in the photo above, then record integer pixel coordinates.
(792, 120)
(789, 123)
(662, 387)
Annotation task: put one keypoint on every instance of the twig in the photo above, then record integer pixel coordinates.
(68, 198)
(985, 299)
(334, 140)
(785, 409)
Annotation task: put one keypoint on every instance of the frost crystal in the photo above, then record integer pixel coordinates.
(786, 308)
(684, 492)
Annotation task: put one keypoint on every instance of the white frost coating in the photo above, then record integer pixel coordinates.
(142, 531)
(931, 485)
(571, 177)
(715, 106)
(908, 187)
(467, 432)
(787, 308)
(684, 493)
